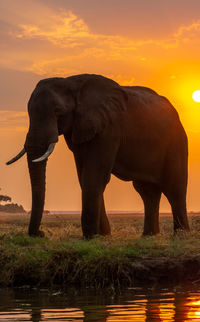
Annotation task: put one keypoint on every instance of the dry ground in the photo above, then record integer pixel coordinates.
(68, 226)
(123, 225)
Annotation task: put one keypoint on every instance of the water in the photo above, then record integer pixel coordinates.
(131, 305)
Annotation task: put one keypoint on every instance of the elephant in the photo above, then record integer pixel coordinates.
(131, 132)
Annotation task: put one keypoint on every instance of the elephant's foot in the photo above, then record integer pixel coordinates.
(184, 227)
(39, 233)
(150, 233)
(181, 231)
(90, 236)
(151, 230)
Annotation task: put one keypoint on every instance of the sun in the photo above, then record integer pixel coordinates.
(196, 96)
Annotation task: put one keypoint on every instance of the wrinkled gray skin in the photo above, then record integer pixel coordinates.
(131, 132)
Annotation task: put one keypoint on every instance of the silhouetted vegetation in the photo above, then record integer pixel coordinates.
(4, 198)
(9, 207)
(12, 207)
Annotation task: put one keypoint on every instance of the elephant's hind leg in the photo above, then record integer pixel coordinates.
(175, 189)
(178, 204)
(150, 194)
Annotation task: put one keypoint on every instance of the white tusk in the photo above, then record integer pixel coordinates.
(18, 156)
(47, 153)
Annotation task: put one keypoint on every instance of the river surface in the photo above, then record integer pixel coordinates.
(135, 304)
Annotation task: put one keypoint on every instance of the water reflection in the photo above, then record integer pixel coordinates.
(131, 305)
(194, 308)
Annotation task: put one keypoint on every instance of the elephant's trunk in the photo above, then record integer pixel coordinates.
(37, 176)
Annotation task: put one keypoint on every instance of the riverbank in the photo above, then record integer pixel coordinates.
(123, 260)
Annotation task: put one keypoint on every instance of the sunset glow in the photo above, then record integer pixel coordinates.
(148, 43)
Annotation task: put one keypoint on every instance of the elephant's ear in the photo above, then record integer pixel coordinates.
(99, 101)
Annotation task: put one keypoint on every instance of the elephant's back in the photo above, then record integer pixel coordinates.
(151, 132)
(146, 104)
(154, 116)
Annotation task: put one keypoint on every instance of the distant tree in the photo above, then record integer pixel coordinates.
(5, 198)
(12, 207)
(9, 207)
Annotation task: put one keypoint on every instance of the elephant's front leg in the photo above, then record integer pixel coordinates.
(37, 176)
(94, 178)
(91, 211)
(94, 219)
(104, 226)
(94, 162)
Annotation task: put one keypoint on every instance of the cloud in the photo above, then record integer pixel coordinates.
(189, 31)
(64, 45)
(58, 42)
(67, 30)
(63, 30)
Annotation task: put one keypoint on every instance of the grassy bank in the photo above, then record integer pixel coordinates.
(125, 259)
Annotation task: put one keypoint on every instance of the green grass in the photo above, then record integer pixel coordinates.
(63, 257)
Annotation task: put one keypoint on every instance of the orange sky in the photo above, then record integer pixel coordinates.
(148, 42)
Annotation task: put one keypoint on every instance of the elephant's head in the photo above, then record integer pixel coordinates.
(78, 106)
